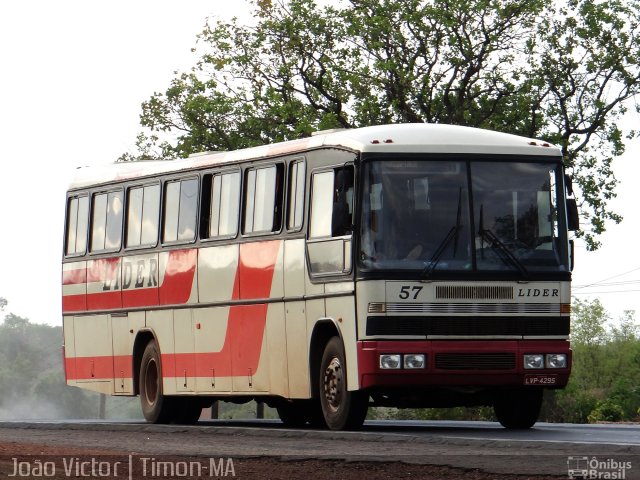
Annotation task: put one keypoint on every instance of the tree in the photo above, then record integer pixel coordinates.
(562, 71)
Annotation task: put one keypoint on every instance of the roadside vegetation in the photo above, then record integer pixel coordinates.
(604, 386)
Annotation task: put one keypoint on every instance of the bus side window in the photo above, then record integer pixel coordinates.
(263, 200)
(77, 222)
(180, 207)
(142, 215)
(332, 203)
(331, 224)
(106, 222)
(220, 205)
(295, 213)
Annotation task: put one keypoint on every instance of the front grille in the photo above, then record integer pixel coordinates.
(475, 361)
(468, 326)
(487, 292)
(474, 308)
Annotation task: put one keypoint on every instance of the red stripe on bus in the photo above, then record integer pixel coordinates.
(178, 277)
(74, 277)
(104, 300)
(74, 303)
(140, 297)
(99, 368)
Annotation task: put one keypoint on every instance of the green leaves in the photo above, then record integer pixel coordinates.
(563, 72)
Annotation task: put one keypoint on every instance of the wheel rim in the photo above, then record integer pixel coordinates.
(151, 384)
(333, 384)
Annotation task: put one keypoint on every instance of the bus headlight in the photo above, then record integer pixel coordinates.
(556, 360)
(390, 362)
(414, 360)
(534, 361)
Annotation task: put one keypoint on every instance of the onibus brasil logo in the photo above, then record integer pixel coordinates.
(585, 467)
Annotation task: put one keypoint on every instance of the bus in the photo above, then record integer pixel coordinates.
(408, 265)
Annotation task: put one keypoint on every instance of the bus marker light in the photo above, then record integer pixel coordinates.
(377, 307)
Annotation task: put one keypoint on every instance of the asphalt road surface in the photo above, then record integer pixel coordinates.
(602, 451)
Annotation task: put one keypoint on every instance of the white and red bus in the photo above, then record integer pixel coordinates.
(405, 265)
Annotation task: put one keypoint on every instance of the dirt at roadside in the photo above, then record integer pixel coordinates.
(64, 462)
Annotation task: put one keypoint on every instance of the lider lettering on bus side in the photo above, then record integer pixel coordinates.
(145, 272)
(538, 292)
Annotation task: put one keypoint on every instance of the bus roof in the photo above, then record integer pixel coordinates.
(397, 138)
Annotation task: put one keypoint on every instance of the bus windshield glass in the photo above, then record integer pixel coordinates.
(438, 216)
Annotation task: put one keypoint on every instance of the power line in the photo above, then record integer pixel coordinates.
(611, 284)
(604, 292)
(608, 278)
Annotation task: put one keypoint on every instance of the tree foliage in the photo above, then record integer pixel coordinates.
(605, 379)
(562, 71)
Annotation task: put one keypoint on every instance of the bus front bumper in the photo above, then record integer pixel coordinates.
(504, 363)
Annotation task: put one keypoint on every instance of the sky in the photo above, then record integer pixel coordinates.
(72, 77)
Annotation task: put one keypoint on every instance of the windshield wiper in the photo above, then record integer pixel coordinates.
(503, 251)
(435, 258)
(452, 234)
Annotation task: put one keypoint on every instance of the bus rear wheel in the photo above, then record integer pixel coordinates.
(156, 407)
(519, 409)
(342, 409)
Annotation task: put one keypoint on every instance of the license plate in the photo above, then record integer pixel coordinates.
(540, 379)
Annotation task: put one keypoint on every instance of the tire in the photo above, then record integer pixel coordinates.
(518, 410)
(341, 409)
(156, 407)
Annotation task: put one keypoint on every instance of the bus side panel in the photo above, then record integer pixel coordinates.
(123, 336)
(258, 264)
(74, 287)
(160, 322)
(217, 270)
(140, 280)
(275, 349)
(104, 290)
(184, 358)
(217, 282)
(93, 352)
(315, 311)
(296, 325)
(342, 310)
(213, 361)
(69, 351)
(178, 278)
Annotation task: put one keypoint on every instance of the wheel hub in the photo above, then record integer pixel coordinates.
(151, 382)
(333, 383)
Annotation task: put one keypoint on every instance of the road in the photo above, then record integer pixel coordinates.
(547, 449)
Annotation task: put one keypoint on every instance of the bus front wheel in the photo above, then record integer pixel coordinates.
(342, 409)
(156, 407)
(518, 410)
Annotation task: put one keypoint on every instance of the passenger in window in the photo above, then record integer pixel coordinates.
(342, 200)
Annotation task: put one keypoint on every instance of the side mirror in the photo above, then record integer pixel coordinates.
(572, 254)
(568, 183)
(573, 219)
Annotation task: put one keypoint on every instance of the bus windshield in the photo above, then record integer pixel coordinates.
(434, 216)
